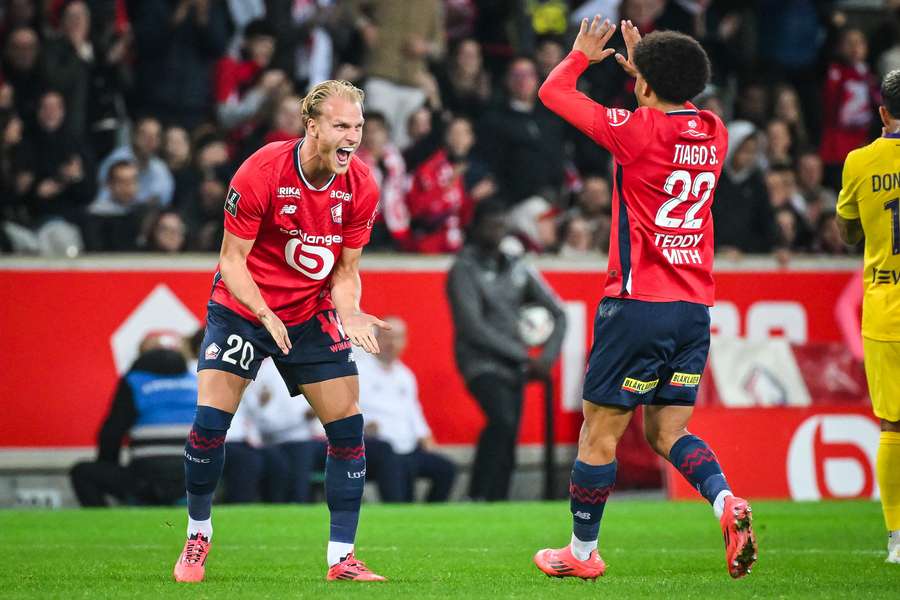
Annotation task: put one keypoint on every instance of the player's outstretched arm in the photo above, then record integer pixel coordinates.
(559, 94)
(233, 268)
(346, 291)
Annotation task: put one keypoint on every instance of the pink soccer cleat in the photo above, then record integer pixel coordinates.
(352, 569)
(562, 563)
(740, 543)
(189, 567)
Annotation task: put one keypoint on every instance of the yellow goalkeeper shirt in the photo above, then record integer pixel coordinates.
(871, 193)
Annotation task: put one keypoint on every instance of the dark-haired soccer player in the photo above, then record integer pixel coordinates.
(869, 204)
(297, 216)
(651, 332)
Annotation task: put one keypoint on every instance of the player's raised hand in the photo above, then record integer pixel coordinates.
(631, 36)
(360, 328)
(276, 329)
(592, 39)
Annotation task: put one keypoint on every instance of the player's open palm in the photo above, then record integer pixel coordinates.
(632, 36)
(360, 328)
(592, 39)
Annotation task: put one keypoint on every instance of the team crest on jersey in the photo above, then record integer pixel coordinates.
(231, 201)
(617, 116)
(212, 351)
(336, 212)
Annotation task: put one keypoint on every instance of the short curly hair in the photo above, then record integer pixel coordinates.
(312, 103)
(674, 65)
(890, 93)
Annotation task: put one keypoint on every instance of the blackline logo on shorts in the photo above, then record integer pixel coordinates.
(685, 379)
(637, 386)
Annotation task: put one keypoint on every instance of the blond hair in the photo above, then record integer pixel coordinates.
(312, 103)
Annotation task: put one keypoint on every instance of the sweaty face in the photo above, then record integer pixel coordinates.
(338, 132)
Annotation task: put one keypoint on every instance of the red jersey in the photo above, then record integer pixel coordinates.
(439, 206)
(666, 169)
(848, 105)
(299, 230)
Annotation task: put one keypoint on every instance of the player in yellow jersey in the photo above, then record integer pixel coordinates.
(869, 205)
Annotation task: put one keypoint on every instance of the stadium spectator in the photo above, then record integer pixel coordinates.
(779, 144)
(849, 98)
(465, 85)
(176, 152)
(743, 215)
(401, 38)
(828, 238)
(153, 407)
(787, 109)
(487, 289)
(594, 208)
(177, 43)
(168, 233)
(533, 223)
(205, 217)
(386, 163)
(818, 198)
(425, 128)
(577, 237)
(287, 122)
(25, 70)
(443, 193)
(305, 48)
(549, 53)
(247, 87)
(389, 400)
(794, 232)
(115, 226)
(514, 138)
(57, 164)
(89, 68)
(155, 183)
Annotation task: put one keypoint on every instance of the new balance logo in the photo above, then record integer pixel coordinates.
(288, 209)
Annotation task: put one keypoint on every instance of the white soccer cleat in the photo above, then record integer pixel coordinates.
(893, 550)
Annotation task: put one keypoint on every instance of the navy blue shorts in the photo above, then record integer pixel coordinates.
(647, 353)
(319, 348)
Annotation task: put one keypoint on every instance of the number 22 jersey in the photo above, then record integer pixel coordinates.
(299, 230)
(666, 167)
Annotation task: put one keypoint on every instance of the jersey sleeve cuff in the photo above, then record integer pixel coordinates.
(244, 235)
(580, 59)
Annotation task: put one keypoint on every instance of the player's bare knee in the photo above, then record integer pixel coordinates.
(662, 440)
(890, 425)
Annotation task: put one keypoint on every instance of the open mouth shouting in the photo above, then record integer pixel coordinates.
(343, 154)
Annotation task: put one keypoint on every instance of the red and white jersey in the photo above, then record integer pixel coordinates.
(299, 230)
(666, 167)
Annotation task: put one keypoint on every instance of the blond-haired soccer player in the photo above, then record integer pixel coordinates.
(869, 205)
(297, 216)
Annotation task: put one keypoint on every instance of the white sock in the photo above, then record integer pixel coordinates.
(204, 527)
(337, 551)
(893, 539)
(719, 503)
(582, 550)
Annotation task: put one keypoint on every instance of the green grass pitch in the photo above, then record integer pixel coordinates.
(654, 549)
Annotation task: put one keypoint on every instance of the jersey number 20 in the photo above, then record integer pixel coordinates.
(700, 187)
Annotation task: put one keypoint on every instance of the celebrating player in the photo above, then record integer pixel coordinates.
(651, 332)
(869, 205)
(297, 215)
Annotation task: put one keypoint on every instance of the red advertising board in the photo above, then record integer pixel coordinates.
(65, 331)
(798, 453)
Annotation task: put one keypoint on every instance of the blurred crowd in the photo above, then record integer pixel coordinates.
(122, 121)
